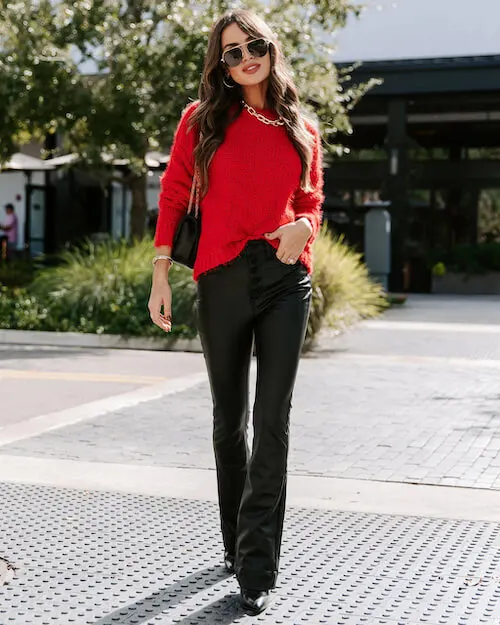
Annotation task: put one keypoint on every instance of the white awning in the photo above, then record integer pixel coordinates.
(155, 159)
(23, 162)
(65, 159)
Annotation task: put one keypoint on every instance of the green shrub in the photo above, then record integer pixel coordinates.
(439, 269)
(17, 273)
(343, 292)
(468, 258)
(104, 289)
(19, 310)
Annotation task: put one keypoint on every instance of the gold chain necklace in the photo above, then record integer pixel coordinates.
(262, 118)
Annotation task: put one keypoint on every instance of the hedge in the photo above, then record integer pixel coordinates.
(104, 288)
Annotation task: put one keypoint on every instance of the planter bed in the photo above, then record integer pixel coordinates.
(467, 284)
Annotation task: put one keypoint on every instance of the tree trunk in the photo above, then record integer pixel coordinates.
(137, 185)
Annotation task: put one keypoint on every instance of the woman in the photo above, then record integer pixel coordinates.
(260, 170)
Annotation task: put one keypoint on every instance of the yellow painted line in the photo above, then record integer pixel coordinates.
(79, 377)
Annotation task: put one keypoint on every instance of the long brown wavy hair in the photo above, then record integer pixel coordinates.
(213, 113)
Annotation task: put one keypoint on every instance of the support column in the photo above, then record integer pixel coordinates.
(397, 190)
(27, 213)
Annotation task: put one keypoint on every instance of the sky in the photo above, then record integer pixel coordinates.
(409, 29)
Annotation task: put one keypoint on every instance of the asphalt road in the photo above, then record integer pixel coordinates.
(40, 380)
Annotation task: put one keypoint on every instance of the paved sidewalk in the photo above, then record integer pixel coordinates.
(107, 558)
(390, 405)
(394, 501)
(477, 309)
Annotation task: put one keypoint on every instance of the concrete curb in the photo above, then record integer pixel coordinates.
(106, 341)
(305, 491)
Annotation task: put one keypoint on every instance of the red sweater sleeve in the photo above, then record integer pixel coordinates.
(308, 204)
(176, 180)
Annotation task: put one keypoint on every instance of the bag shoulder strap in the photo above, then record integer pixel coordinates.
(195, 192)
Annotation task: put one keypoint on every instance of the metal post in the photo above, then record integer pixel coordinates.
(397, 191)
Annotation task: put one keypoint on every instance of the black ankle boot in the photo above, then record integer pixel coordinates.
(229, 562)
(255, 601)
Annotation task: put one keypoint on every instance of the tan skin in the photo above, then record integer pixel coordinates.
(292, 236)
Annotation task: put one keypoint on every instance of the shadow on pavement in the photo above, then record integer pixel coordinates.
(158, 602)
(221, 612)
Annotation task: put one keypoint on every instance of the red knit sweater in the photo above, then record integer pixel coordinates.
(254, 187)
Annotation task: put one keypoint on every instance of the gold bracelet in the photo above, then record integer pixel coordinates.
(163, 257)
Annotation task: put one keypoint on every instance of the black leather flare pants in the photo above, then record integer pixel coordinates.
(255, 297)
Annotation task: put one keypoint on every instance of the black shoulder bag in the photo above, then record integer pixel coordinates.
(187, 235)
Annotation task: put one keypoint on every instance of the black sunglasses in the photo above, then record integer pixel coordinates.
(256, 48)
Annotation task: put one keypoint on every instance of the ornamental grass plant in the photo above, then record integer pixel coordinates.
(343, 292)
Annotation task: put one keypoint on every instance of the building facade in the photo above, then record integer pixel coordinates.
(427, 140)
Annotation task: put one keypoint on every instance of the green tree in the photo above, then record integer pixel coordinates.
(147, 57)
(40, 87)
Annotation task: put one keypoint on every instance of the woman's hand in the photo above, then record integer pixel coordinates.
(293, 238)
(161, 295)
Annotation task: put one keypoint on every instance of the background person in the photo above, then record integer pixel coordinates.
(9, 228)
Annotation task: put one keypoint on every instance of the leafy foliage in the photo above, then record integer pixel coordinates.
(17, 273)
(20, 311)
(104, 288)
(40, 88)
(467, 258)
(100, 288)
(143, 61)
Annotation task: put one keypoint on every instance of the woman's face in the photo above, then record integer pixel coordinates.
(251, 70)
